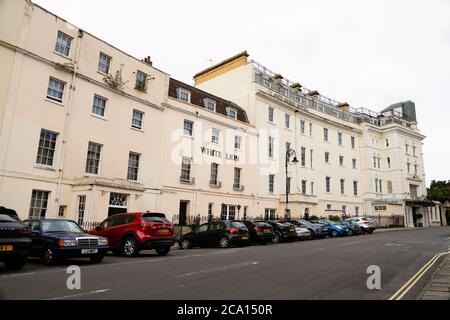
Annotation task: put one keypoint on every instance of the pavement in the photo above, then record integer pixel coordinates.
(316, 269)
(438, 288)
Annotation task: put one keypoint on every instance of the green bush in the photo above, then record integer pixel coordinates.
(334, 218)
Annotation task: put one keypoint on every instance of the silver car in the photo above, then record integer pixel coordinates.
(365, 223)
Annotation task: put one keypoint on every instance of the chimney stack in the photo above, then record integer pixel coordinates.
(148, 61)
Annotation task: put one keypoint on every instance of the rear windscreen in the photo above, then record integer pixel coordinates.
(261, 224)
(237, 224)
(155, 217)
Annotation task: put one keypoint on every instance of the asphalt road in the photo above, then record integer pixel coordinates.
(318, 269)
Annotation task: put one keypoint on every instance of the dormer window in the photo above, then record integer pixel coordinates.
(267, 83)
(209, 104)
(184, 95)
(283, 91)
(231, 112)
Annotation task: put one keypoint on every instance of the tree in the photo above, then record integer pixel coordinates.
(439, 191)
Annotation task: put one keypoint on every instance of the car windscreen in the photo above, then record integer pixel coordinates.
(4, 218)
(237, 224)
(152, 217)
(60, 226)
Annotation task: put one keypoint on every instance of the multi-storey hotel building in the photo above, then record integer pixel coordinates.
(87, 131)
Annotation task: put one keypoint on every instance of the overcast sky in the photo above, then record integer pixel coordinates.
(368, 53)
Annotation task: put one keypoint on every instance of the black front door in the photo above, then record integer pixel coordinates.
(414, 214)
(183, 213)
(114, 210)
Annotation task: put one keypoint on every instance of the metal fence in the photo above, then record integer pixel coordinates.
(89, 225)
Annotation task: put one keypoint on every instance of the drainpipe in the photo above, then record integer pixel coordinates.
(67, 118)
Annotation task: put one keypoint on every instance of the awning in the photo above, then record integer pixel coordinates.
(421, 202)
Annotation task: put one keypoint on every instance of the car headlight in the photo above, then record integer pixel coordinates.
(67, 243)
(338, 227)
(103, 241)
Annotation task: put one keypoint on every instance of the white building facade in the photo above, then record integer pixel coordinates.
(87, 131)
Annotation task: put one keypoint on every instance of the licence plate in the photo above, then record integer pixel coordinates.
(6, 248)
(89, 251)
(163, 231)
(291, 229)
(266, 230)
(244, 238)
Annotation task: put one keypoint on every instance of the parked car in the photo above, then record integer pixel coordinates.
(282, 231)
(317, 230)
(129, 233)
(259, 231)
(58, 239)
(353, 228)
(302, 232)
(15, 240)
(365, 223)
(217, 233)
(334, 229)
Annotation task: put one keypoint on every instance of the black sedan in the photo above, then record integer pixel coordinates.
(57, 239)
(317, 230)
(259, 231)
(217, 233)
(282, 231)
(15, 240)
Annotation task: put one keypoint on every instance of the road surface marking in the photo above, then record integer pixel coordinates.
(231, 266)
(16, 274)
(411, 282)
(79, 295)
(393, 244)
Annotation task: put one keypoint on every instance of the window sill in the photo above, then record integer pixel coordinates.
(98, 117)
(54, 101)
(90, 175)
(136, 129)
(102, 73)
(271, 123)
(61, 55)
(44, 167)
(188, 137)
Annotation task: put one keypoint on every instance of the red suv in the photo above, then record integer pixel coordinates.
(128, 233)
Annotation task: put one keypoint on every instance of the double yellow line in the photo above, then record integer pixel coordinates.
(411, 282)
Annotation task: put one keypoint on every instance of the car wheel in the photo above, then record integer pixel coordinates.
(276, 238)
(49, 256)
(15, 264)
(334, 234)
(129, 247)
(97, 258)
(224, 242)
(162, 251)
(185, 244)
(350, 232)
(369, 231)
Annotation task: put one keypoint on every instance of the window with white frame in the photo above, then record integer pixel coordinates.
(269, 214)
(237, 142)
(63, 42)
(214, 174)
(210, 210)
(340, 138)
(136, 121)
(389, 187)
(354, 163)
(184, 95)
(342, 182)
(141, 81)
(356, 211)
(231, 112)
(287, 120)
(311, 158)
(267, 83)
(237, 178)
(187, 128)
(62, 211)
(209, 104)
(304, 186)
(55, 90)
(352, 140)
(38, 204)
(270, 111)
(325, 134)
(312, 187)
(303, 156)
(186, 164)
(302, 126)
(310, 129)
(104, 62)
(99, 106)
(215, 135)
(328, 206)
(355, 188)
(283, 91)
(271, 183)
(271, 143)
(47, 146)
(327, 157)
(327, 184)
(133, 166)
(93, 158)
(81, 208)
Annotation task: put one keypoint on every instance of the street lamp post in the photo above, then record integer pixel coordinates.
(289, 153)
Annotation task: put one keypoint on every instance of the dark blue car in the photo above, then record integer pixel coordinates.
(58, 239)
